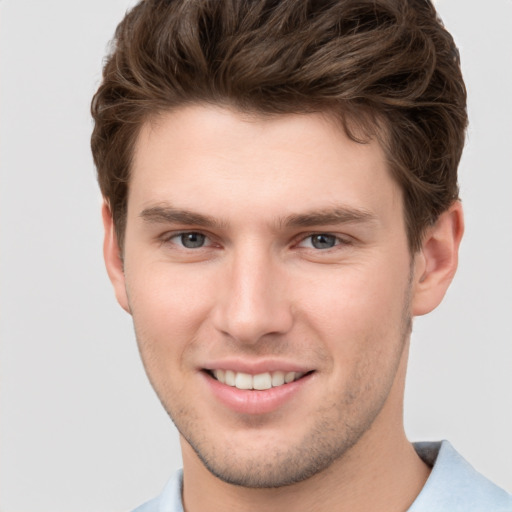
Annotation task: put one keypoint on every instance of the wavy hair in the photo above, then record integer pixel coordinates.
(383, 68)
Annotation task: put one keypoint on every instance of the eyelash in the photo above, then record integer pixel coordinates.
(167, 238)
(338, 241)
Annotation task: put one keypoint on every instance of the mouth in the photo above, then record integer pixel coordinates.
(259, 382)
(258, 391)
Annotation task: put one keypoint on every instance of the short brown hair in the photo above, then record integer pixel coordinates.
(387, 63)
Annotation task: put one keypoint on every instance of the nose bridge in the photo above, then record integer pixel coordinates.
(253, 302)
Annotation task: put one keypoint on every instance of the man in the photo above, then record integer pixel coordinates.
(280, 185)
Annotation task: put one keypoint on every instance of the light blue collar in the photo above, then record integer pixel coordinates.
(453, 486)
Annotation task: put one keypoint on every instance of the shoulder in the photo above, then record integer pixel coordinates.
(454, 485)
(170, 498)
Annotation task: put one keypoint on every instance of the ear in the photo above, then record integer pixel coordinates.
(113, 259)
(436, 262)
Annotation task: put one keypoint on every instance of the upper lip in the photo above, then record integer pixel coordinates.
(256, 367)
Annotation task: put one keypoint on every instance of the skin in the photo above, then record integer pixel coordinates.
(258, 291)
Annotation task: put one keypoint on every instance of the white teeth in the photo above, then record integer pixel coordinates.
(277, 379)
(230, 378)
(243, 381)
(261, 381)
(289, 377)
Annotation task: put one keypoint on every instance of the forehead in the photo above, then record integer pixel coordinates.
(217, 160)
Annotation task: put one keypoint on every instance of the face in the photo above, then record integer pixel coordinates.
(267, 270)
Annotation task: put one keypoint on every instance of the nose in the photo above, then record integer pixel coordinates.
(252, 300)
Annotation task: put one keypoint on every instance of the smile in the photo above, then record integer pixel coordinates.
(261, 381)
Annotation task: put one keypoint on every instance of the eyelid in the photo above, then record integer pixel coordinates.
(340, 239)
(168, 236)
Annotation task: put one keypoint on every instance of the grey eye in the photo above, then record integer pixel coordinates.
(192, 240)
(323, 241)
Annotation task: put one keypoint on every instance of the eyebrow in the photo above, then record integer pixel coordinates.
(332, 216)
(168, 214)
(321, 217)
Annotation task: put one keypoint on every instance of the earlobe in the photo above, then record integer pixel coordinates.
(113, 259)
(437, 260)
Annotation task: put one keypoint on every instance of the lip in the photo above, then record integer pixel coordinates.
(255, 367)
(255, 402)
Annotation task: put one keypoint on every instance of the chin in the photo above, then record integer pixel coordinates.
(270, 463)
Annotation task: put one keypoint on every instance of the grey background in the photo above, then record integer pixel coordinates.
(80, 428)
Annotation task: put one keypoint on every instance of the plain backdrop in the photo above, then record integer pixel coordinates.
(80, 427)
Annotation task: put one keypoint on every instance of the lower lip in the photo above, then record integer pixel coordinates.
(255, 401)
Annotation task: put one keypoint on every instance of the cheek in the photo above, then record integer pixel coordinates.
(168, 309)
(362, 324)
(356, 299)
(360, 316)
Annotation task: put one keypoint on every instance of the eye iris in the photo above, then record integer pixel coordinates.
(192, 240)
(321, 241)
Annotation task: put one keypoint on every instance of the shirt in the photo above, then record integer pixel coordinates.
(453, 486)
